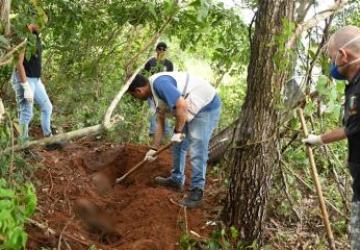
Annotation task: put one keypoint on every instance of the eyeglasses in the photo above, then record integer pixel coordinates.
(160, 49)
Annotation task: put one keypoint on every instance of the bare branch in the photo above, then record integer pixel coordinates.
(93, 130)
(116, 100)
(7, 57)
(314, 21)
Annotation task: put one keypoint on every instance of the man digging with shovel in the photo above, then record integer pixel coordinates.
(196, 107)
(344, 51)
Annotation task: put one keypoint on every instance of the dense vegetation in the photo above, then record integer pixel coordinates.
(92, 47)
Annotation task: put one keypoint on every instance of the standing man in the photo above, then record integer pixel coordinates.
(28, 88)
(196, 107)
(344, 52)
(158, 64)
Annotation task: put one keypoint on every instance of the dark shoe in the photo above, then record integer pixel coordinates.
(31, 155)
(193, 198)
(55, 146)
(169, 183)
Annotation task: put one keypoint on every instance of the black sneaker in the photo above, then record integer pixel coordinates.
(193, 198)
(55, 146)
(31, 155)
(169, 183)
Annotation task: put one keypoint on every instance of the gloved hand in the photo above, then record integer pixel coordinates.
(28, 92)
(313, 140)
(177, 137)
(150, 155)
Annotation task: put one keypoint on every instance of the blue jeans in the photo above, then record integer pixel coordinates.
(198, 133)
(26, 108)
(152, 120)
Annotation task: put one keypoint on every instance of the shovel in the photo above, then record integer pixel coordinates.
(140, 164)
(324, 212)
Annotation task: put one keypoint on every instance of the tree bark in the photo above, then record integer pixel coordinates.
(5, 15)
(5, 19)
(255, 153)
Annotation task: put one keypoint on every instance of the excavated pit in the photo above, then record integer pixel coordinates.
(79, 200)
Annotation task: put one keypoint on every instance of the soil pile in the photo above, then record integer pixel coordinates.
(79, 200)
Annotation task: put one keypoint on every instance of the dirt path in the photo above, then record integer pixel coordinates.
(77, 198)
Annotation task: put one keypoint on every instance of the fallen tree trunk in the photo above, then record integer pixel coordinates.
(60, 137)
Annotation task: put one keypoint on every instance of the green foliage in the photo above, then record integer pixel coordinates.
(231, 95)
(220, 37)
(17, 203)
(284, 56)
(17, 196)
(219, 239)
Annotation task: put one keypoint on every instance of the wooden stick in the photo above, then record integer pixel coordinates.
(118, 180)
(317, 184)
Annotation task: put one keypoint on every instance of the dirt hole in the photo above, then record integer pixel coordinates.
(135, 214)
(104, 168)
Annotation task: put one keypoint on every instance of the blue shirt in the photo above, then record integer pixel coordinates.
(166, 89)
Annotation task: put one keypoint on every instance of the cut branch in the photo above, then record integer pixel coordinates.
(60, 137)
(116, 100)
(6, 59)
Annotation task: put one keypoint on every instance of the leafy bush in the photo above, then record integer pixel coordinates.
(17, 203)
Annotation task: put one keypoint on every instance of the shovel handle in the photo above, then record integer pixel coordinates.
(159, 151)
(314, 172)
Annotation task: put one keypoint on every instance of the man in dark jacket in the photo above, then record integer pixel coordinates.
(344, 52)
(158, 64)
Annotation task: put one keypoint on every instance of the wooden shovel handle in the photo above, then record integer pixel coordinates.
(314, 173)
(159, 151)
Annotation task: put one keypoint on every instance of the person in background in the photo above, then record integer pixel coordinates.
(196, 107)
(28, 87)
(344, 52)
(157, 64)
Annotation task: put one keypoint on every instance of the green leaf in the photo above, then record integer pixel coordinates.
(234, 232)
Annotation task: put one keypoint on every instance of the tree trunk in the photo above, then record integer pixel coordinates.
(255, 153)
(5, 20)
(5, 15)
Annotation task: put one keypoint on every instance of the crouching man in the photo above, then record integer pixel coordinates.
(196, 107)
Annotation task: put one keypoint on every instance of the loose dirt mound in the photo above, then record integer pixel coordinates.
(79, 201)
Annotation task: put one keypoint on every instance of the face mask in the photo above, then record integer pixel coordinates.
(335, 73)
(334, 69)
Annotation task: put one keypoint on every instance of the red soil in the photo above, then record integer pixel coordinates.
(78, 199)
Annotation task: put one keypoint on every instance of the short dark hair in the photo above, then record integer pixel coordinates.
(139, 81)
(161, 46)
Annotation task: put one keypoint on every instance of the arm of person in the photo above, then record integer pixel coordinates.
(329, 137)
(334, 135)
(20, 68)
(159, 132)
(180, 114)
